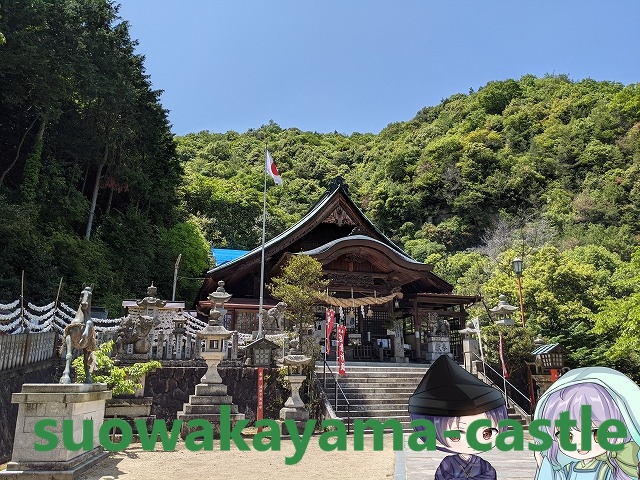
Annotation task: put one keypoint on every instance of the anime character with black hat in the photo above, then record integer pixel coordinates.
(452, 398)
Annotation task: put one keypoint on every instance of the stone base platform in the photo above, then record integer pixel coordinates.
(21, 471)
(298, 415)
(36, 402)
(205, 405)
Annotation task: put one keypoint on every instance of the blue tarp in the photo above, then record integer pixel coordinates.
(223, 255)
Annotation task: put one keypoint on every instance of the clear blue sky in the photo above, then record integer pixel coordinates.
(358, 65)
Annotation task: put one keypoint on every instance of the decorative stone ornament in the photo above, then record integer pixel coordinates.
(214, 336)
(211, 393)
(502, 311)
(294, 408)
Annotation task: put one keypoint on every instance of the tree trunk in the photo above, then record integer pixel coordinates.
(96, 188)
(109, 202)
(15, 159)
(33, 165)
(84, 180)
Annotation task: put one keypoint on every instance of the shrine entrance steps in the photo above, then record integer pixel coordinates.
(374, 390)
(380, 391)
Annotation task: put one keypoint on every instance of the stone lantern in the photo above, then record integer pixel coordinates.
(260, 352)
(211, 393)
(143, 324)
(214, 336)
(179, 330)
(179, 324)
(503, 311)
(294, 408)
(547, 365)
(471, 345)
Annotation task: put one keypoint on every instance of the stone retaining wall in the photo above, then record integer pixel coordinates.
(171, 386)
(11, 381)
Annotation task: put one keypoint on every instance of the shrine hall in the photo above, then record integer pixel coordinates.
(391, 304)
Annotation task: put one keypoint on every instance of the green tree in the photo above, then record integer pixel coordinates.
(187, 240)
(299, 286)
(618, 320)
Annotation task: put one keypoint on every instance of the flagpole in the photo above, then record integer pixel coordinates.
(264, 228)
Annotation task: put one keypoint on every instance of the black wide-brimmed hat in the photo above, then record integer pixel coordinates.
(448, 390)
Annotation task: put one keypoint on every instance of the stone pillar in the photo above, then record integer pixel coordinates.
(38, 401)
(294, 401)
(294, 408)
(398, 342)
(471, 350)
(437, 345)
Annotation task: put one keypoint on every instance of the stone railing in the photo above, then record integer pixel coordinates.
(163, 346)
(172, 346)
(25, 348)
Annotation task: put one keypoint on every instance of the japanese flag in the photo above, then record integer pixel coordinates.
(272, 169)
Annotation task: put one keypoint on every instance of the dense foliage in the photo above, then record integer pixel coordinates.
(88, 169)
(122, 381)
(299, 284)
(544, 168)
(94, 188)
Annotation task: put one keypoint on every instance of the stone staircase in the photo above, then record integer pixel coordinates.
(374, 390)
(379, 391)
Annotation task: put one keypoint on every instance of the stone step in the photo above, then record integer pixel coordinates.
(387, 380)
(210, 399)
(377, 372)
(387, 413)
(388, 406)
(371, 401)
(405, 422)
(369, 365)
(208, 389)
(190, 409)
(372, 391)
(374, 371)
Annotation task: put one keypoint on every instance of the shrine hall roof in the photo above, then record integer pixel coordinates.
(337, 191)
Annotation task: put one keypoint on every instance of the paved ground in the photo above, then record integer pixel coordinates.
(136, 464)
(511, 465)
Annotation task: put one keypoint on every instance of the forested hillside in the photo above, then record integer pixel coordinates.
(94, 188)
(544, 168)
(88, 169)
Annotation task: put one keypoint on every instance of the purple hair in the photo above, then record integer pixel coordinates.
(443, 424)
(571, 399)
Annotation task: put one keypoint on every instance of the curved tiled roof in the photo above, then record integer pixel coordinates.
(351, 238)
(326, 199)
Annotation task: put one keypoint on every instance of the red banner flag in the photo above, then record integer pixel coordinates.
(342, 330)
(331, 318)
(505, 373)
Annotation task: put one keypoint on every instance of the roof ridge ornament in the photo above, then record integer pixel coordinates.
(336, 183)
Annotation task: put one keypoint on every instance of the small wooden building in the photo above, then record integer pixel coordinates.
(360, 261)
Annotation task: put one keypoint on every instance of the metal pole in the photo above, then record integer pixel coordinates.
(521, 303)
(264, 228)
(175, 277)
(22, 303)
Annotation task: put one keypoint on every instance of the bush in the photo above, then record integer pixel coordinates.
(121, 380)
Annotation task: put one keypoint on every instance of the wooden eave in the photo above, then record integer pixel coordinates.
(395, 268)
(445, 299)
